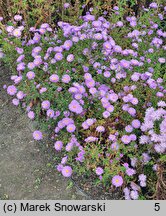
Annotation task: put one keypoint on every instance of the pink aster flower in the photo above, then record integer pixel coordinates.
(117, 181)
(58, 56)
(64, 160)
(66, 5)
(134, 194)
(129, 128)
(31, 65)
(20, 95)
(126, 193)
(67, 171)
(73, 90)
(144, 139)
(107, 45)
(69, 146)
(130, 171)
(114, 146)
(155, 167)
(119, 23)
(146, 157)
(90, 83)
(61, 124)
(17, 18)
(85, 125)
(99, 171)
(110, 108)
(66, 78)
(20, 58)
(37, 37)
(133, 23)
(37, 135)
(135, 77)
(9, 29)
(136, 123)
(59, 167)
(116, 8)
(87, 76)
(107, 74)
(15, 102)
(112, 137)
(71, 128)
(142, 177)
(58, 145)
(19, 50)
(91, 139)
(93, 90)
(37, 61)
(67, 121)
(90, 121)
(131, 111)
(56, 130)
(21, 66)
(11, 90)
(100, 129)
(89, 17)
(16, 32)
(70, 58)
(50, 113)
(125, 64)
(132, 137)
(75, 107)
(113, 97)
(31, 115)
(97, 23)
(106, 114)
(45, 104)
(142, 183)
(54, 78)
(134, 101)
(42, 90)
(78, 97)
(75, 39)
(98, 36)
(126, 139)
(161, 104)
(67, 44)
(153, 5)
(161, 60)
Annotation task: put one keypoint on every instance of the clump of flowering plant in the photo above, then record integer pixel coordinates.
(99, 88)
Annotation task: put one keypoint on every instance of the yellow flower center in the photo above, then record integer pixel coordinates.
(16, 32)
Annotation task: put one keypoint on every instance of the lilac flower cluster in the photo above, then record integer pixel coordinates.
(150, 136)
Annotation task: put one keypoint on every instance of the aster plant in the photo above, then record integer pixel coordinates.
(98, 87)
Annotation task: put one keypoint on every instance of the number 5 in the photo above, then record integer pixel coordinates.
(157, 207)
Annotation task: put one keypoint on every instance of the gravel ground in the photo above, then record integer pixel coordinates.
(24, 170)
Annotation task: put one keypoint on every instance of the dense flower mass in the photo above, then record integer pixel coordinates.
(99, 87)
